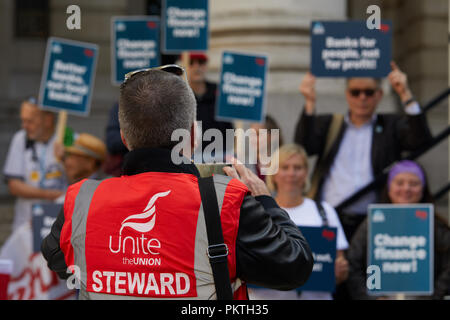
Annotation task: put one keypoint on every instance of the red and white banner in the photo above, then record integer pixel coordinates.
(31, 279)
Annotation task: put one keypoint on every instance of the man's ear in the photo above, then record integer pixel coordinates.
(123, 140)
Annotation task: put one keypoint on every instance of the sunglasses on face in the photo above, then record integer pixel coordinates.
(357, 92)
(170, 68)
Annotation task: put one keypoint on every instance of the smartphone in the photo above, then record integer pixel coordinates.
(208, 169)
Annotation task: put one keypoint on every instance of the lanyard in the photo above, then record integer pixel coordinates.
(41, 160)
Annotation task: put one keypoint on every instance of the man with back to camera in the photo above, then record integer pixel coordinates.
(365, 143)
(31, 169)
(205, 94)
(143, 234)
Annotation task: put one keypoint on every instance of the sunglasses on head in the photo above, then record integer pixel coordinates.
(357, 92)
(170, 68)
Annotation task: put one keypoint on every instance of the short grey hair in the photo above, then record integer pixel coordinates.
(152, 105)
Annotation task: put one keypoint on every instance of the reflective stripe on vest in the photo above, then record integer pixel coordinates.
(79, 219)
(124, 243)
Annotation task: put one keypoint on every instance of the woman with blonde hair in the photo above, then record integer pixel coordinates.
(288, 181)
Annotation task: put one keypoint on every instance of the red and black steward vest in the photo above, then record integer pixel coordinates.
(144, 236)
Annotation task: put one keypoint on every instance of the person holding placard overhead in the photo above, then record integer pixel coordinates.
(31, 169)
(205, 94)
(356, 147)
(289, 184)
(407, 183)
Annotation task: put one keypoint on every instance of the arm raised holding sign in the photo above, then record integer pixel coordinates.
(311, 133)
(399, 82)
(308, 89)
(360, 135)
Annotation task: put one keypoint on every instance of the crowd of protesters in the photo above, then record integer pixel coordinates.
(352, 148)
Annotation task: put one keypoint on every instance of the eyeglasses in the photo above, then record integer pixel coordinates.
(367, 92)
(170, 68)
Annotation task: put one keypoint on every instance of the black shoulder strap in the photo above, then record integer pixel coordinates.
(217, 249)
(334, 131)
(322, 213)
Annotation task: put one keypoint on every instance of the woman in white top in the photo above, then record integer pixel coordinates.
(289, 183)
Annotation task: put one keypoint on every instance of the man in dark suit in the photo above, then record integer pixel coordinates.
(364, 142)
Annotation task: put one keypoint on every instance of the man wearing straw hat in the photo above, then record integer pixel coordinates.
(84, 158)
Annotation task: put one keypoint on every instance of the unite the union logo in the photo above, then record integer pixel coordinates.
(149, 211)
(142, 222)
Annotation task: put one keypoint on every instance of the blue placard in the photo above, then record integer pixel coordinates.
(44, 215)
(134, 45)
(400, 244)
(350, 49)
(68, 76)
(185, 26)
(322, 241)
(242, 87)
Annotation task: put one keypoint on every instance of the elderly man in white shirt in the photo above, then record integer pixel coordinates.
(31, 170)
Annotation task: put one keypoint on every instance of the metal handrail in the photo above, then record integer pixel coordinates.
(434, 102)
(442, 191)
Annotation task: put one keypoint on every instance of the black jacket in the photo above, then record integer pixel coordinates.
(357, 259)
(392, 135)
(270, 249)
